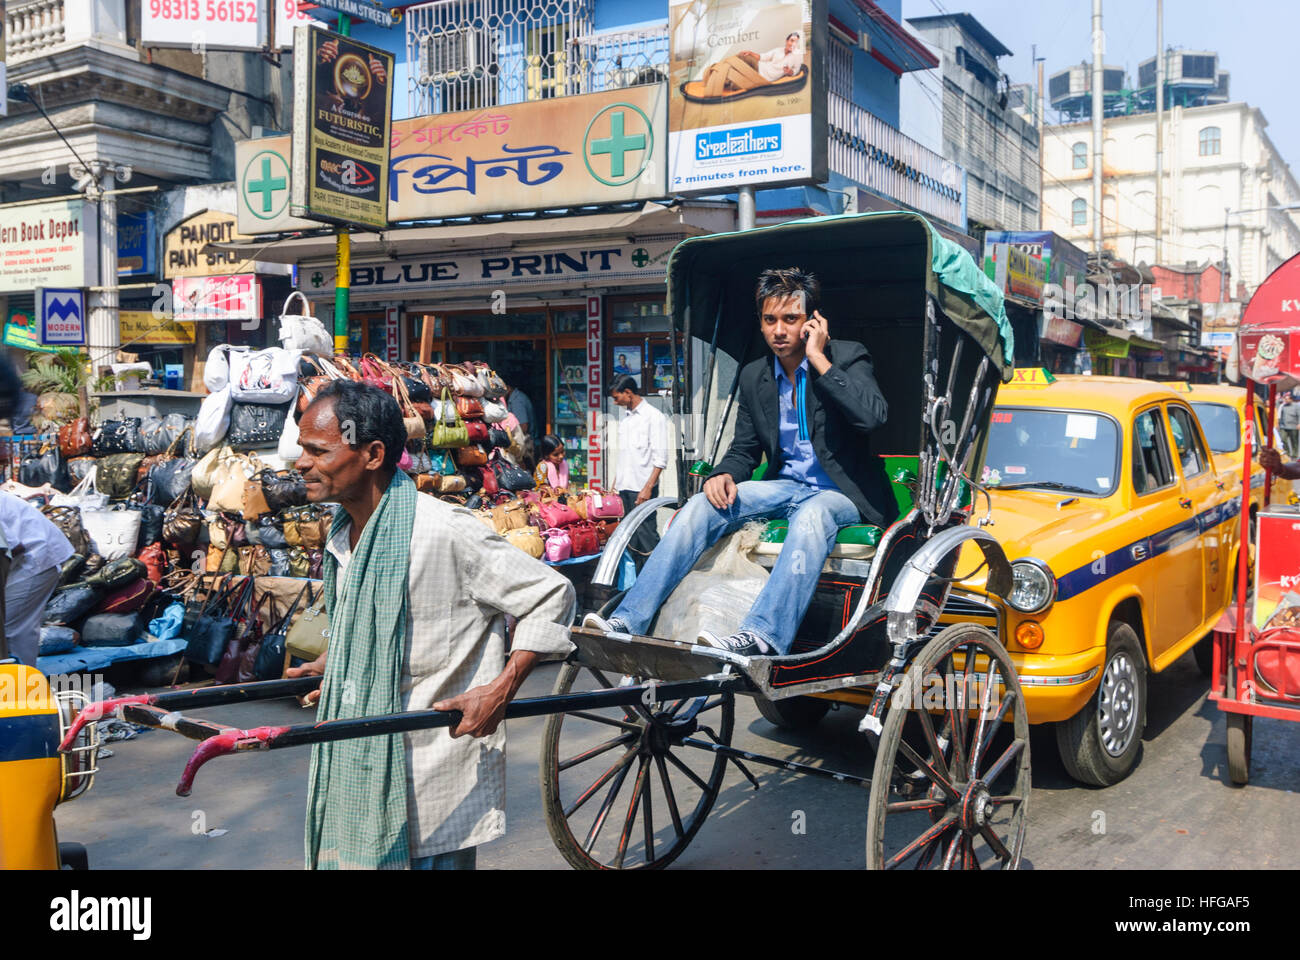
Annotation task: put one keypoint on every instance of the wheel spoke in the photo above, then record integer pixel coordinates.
(931, 741)
(1000, 764)
(902, 806)
(935, 777)
(1005, 801)
(968, 854)
(979, 743)
(610, 721)
(688, 771)
(968, 668)
(668, 792)
(995, 843)
(604, 682)
(593, 752)
(601, 814)
(648, 816)
(931, 835)
(953, 846)
(626, 834)
(996, 725)
(927, 858)
(587, 794)
(956, 720)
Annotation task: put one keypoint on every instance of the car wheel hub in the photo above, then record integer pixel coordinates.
(1117, 705)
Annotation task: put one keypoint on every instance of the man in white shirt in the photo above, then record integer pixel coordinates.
(35, 548)
(642, 456)
(778, 62)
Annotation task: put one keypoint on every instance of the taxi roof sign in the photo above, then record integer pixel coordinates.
(1031, 377)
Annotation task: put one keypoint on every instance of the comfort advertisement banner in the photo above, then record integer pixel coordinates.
(748, 93)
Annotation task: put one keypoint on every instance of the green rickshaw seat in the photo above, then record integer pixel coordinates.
(858, 541)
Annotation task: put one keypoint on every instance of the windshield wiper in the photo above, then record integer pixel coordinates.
(1047, 484)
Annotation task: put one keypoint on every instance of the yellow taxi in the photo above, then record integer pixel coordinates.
(1221, 408)
(1122, 535)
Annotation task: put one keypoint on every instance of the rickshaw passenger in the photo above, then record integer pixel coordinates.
(809, 409)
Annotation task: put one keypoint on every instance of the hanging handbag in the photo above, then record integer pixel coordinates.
(498, 438)
(115, 475)
(376, 373)
(558, 545)
(289, 525)
(302, 331)
(45, 467)
(245, 619)
(344, 365)
(75, 438)
(279, 559)
(254, 503)
(171, 476)
(117, 436)
(213, 420)
(112, 630)
(449, 429)
(495, 412)
(264, 377)
(270, 661)
(463, 384)
(221, 560)
(254, 561)
(441, 462)
(411, 419)
(228, 494)
(433, 378)
(584, 539)
(79, 467)
(469, 408)
(487, 481)
(113, 533)
(269, 534)
(309, 636)
(528, 540)
(157, 435)
(258, 628)
(316, 559)
(472, 456)
(211, 468)
(299, 562)
(313, 383)
(154, 559)
(477, 431)
(256, 424)
(282, 488)
(508, 476)
(68, 520)
(313, 526)
(182, 523)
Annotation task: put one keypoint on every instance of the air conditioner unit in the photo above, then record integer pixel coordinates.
(448, 56)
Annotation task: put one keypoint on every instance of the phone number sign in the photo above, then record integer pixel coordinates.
(203, 24)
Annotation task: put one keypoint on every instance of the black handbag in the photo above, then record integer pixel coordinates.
(270, 657)
(256, 424)
(214, 629)
(117, 436)
(510, 477)
(283, 488)
(498, 438)
(70, 604)
(68, 520)
(47, 466)
(268, 531)
(157, 435)
(279, 562)
(151, 523)
(417, 389)
(70, 569)
(112, 630)
(116, 573)
(171, 478)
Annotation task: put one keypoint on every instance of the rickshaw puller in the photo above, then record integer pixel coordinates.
(1271, 461)
(812, 392)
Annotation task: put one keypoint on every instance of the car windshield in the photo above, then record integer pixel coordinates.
(1221, 424)
(1074, 451)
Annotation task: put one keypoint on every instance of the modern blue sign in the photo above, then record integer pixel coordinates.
(136, 254)
(63, 316)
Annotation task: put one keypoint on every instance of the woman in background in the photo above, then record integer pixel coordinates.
(552, 469)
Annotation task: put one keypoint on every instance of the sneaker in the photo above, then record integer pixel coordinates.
(743, 644)
(594, 621)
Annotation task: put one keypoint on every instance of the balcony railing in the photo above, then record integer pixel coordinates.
(866, 149)
(32, 27)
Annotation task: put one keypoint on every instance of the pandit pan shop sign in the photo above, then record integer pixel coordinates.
(54, 244)
(186, 250)
(342, 115)
(748, 93)
(596, 264)
(597, 148)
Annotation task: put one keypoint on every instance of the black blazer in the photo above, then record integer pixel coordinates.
(844, 406)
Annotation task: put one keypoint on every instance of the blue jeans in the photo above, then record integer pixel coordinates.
(815, 518)
(465, 859)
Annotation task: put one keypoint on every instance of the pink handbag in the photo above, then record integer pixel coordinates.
(558, 545)
(558, 515)
(606, 506)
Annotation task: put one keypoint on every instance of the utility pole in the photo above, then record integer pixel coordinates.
(1098, 50)
(104, 333)
(1160, 124)
(1038, 104)
(342, 256)
(745, 214)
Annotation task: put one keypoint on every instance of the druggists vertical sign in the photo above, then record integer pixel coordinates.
(748, 93)
(341, 126)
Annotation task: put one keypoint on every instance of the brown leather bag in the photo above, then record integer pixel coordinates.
(75, 438)
(254, 499)
(428, 482)
(254, 561)
(469, 408)
(510, 516)
(471, 456)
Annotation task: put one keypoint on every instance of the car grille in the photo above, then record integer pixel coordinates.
(962, 607)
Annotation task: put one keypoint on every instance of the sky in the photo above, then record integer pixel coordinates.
(1255, 40)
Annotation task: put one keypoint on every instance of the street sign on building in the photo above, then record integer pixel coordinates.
(49, 244)
(361, 10)
(136, 250)
(200, 25)
(236, 297)
(263, 186)
(142, 327)
(187, 250)
(342, 115)
(62, 314)
(748, 89)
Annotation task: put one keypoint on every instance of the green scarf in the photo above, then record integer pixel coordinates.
(356, 799)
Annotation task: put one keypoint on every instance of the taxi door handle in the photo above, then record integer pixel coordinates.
(1185, 502)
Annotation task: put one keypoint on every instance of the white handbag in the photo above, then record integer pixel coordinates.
(494, 412)
(302, 331)
(264, 376)
(287, 449)
(213, 421)
(216, 372)
(83, 495)
(113, 533)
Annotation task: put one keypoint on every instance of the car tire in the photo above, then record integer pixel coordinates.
(1203, 653)
(1099, 745)
(793, 713)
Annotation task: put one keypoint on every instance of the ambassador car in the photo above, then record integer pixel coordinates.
(1123, 533)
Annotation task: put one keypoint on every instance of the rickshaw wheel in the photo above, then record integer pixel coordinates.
(1241, 728)
(659, 758)
(949, 799)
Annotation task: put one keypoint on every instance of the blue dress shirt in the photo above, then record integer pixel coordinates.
(801, 463)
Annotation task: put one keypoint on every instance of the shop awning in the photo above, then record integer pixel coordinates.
(652, 219)
(1134, 339)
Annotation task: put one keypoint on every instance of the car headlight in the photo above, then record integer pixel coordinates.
(1033, 588)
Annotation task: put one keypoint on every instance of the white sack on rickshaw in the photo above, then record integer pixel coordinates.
(717, 594)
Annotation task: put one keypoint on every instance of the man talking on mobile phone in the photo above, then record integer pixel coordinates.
(809, 409)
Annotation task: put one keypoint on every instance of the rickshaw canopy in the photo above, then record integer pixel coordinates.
(1269, 333)
(890, 257)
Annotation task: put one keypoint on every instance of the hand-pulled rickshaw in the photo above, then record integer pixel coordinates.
(1256, 663)
(632, 764)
